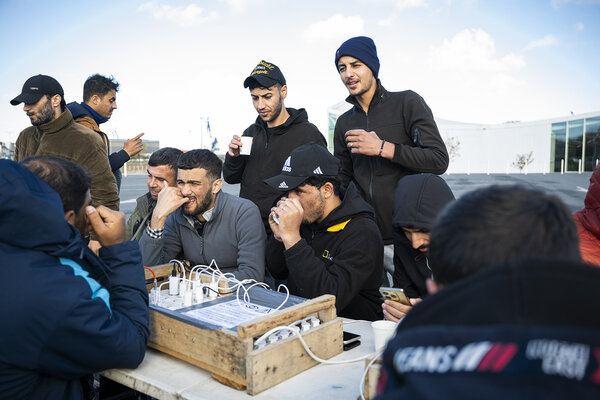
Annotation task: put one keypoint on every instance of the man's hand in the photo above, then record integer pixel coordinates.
(169, 200)
(360, 141)
(274, 225)
(134, 145)
(109, 225)
(234, 146)
(394, 310)
(290, 214)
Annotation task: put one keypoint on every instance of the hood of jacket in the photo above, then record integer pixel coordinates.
(589, 216)
(32, 218)
(418, 201)
(352, 204)
(80, 110)
(296, 117)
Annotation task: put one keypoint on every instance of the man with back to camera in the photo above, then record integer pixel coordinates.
(384, 136)
(99, 102)
(510, 306)
(418, 201)
(77, 313)
(161, 169)
(325, 241)
(54, 131)
(198, 220)
(277, 131)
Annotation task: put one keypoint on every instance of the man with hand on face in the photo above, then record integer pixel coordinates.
(99, 102)
(54, 131)
(200, 222)
(277, 131)
(162, 168)
(325, 241)
(384, 136)
(419, 199)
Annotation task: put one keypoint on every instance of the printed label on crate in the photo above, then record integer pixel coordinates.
(228, 314)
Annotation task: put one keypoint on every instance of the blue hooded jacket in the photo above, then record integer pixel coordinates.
(65, 312)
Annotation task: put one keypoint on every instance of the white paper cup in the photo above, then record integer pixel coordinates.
(382, 332)
(246, 145)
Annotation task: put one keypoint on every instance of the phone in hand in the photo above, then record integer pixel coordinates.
(394, 294)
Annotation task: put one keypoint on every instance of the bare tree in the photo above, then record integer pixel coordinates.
(523, 160)
(453, 147)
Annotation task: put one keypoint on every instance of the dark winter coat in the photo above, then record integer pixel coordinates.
(268, 154)
(401, 118)
(342, 255)
(65, 311)
(418, 201)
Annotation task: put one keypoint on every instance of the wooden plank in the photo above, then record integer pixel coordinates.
(159, 270)
(372, 378)
(260, 325)
(276, 363)
(217, 351)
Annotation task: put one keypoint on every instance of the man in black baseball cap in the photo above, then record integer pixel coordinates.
(277, 131)
(325, 241)
(54, 132)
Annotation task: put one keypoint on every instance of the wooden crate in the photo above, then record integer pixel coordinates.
(230, 356)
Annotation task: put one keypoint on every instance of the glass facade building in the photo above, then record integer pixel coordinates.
(575, 145)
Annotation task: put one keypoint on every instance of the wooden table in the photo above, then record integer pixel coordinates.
(165, 377)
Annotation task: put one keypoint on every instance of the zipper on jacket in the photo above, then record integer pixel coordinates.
(371, 163)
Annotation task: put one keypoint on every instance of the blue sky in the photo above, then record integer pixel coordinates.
(180, 61)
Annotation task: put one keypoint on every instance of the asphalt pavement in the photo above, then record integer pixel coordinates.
(571, 188)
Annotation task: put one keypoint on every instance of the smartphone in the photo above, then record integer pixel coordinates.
(395, 294)
(351, 340)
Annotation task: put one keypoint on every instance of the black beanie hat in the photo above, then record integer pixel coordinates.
(362, 48)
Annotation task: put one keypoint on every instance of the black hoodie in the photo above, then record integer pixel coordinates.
(342, 255)
(418, 201)
(270, 148)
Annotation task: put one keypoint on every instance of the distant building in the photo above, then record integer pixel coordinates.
(569, 144)
(7, 150)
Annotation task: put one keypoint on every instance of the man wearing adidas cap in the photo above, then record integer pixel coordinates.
(277, 131)
(325, 241)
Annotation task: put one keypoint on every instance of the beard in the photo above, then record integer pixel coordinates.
(200, 207)
(45, 115)
(316, 211)
(276, 111)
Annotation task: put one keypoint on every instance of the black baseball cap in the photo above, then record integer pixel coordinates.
(36, 87)
(305, 162)
(266, 74)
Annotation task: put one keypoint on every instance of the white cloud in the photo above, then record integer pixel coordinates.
(337, 26)
(189, 15)
(473, 50)
(389, 21)
(404, 4)
(579, 26)
(237, 6)
(548, 40)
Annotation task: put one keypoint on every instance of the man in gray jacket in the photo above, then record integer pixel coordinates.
(198, 222)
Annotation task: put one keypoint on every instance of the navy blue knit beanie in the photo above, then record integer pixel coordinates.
(360, 47)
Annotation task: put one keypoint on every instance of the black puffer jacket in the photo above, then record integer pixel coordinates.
(268, 154)
(342, 255)
(418, 201)
(401, 118)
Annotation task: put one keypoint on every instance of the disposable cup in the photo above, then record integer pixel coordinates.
(246, 145)
(382, 332)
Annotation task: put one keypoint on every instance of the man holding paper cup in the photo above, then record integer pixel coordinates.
(263, 147)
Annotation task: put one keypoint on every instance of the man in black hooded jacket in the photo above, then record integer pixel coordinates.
(276, 132)
(418, 201)
(325, 241)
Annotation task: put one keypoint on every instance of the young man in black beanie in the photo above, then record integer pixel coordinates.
(385, 136)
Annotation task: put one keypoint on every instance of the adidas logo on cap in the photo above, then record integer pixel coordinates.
(318, 171)
(283, 185)
(286, 166)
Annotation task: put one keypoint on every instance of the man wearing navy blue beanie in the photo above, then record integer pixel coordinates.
(384, 137)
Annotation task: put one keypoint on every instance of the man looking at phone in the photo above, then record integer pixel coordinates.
(325, 241)
(384, 136)
(275, 133)
(418, 201)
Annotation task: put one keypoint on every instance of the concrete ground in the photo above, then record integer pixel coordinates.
(570, 188)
